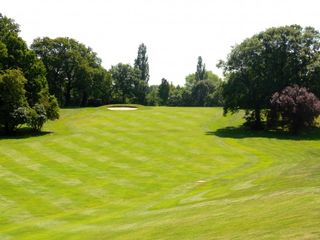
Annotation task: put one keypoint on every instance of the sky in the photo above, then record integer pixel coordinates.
(175, 32)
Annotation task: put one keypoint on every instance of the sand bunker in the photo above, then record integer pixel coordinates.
(122, 108)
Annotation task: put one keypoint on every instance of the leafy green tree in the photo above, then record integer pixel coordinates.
(141, 63)
(179, 96)
(16, 55)
(101, 90)
(191, 79)
(201, 92)
(125, 80)
(37, 117)
(12, 99)
(152, 98)
(266, 63)
(24, 75)
(164, 89)
(72, 70)
(201, 73)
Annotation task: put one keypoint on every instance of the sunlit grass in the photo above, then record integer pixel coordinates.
(158, 173)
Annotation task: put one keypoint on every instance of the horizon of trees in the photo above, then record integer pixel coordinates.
(33, 81)
(74, 74)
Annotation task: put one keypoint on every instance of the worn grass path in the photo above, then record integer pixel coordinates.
(158, 173)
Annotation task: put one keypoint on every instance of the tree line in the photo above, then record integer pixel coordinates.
(274, 76)
(202, 88)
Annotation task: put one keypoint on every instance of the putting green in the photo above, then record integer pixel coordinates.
(158, 173)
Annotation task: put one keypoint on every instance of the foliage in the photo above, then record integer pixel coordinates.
(74, 71)
(152, 98)
(191, 79)
(23, 82)
(37, 117)
(204, 86)
(164, 89)
(201, 93)
(294, 107)
(201, 73)
(179, 96)
(12, 99)
(126, 82)
(16, 55)
(266, 63)
(141, 63)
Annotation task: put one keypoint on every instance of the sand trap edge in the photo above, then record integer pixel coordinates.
(122, 108)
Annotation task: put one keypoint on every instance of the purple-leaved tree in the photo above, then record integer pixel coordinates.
(295, 107)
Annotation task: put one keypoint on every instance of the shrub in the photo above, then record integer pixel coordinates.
(293, 108)
(37, 117)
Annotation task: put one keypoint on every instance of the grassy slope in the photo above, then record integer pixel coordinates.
(158, 173)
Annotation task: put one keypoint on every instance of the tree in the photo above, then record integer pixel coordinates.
(125, 80)
(179, 96)
(201, 72)
(266, 63)
(12, 99)
(101, 89)
(295, 107)
(164, 89)
(152, 98)
(141, 63)
(191, 79)
(72, 70)
(23, 79)
(16, 55)
(201, 93)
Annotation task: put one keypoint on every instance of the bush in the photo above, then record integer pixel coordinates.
(37, 117)
(294, 108)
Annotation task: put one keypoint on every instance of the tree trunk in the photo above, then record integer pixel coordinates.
(84, 99)
(257, 116)
(68, 93)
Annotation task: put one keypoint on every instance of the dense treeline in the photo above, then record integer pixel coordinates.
(202, 88)
(76, 77)
(274, 76)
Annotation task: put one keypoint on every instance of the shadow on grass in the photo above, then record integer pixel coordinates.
(242, 132)
(23, 133)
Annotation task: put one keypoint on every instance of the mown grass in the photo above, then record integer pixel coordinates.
(158, 173)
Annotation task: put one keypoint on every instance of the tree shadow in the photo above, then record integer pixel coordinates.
(243, 132)
(22, 133)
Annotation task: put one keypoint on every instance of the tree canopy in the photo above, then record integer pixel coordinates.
(267, 62)
(125, 81)
(74, 71)
(294, 107)
(141, 63)
(23, 81)
(164, 89)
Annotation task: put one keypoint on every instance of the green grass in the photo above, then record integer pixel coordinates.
(158, 173)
